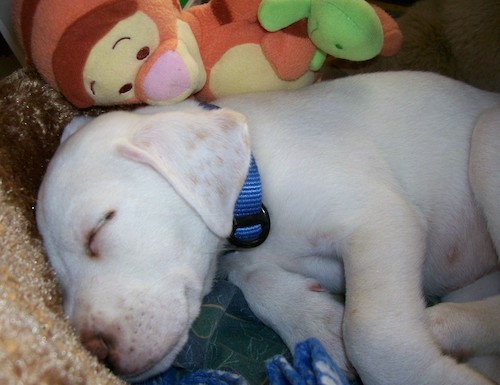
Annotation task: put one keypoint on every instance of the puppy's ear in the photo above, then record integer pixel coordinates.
(204, 155)
(74, 125)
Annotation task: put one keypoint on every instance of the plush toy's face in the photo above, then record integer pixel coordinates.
(112, 66)
(132, 64)
(174, 71)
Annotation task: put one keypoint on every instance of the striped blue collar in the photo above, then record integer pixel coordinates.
(251, 222)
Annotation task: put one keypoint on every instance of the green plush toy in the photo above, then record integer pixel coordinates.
(346, 29)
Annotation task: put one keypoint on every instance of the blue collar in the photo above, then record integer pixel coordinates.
(251, 222)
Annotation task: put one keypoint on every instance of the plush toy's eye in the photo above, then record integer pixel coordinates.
(120, 40)
(143, 53)
(126, 88)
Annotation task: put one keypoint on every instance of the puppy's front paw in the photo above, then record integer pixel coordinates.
(296, 307)
(329, 329)
(446, 322)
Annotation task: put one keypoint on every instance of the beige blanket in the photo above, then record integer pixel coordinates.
(37, 345)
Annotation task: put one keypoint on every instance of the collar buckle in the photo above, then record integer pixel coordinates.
(249, 224)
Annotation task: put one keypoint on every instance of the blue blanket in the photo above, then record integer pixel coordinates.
(311, 366)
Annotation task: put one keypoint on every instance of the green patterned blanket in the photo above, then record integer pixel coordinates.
(228, 336)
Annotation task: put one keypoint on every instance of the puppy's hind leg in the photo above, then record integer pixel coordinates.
(484, 172)
(467, 329)
(470, 332)
(384, 329)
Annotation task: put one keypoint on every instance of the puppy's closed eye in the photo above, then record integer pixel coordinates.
(91, 247)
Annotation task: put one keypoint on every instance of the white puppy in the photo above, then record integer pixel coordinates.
(383, 187)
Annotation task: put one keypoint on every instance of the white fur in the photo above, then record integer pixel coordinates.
(368, 183)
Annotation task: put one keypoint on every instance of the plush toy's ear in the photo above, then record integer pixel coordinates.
(204, 155)
(393, 37)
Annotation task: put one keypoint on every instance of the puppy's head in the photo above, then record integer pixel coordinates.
(133, 211)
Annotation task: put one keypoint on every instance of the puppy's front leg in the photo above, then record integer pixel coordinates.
(385, 332)
(294, 306)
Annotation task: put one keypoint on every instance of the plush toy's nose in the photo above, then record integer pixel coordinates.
(165, 79)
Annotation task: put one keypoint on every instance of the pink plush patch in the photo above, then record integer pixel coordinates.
(167, 78)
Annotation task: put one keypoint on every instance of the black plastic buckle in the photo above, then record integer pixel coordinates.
(262, 218)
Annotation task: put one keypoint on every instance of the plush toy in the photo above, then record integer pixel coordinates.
(108, 52)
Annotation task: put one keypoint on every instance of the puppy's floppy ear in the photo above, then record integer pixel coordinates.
(204, 155)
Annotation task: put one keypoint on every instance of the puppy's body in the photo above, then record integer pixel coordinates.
(382, 187)
(392, 151)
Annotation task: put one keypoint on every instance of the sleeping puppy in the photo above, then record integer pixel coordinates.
(382, 187)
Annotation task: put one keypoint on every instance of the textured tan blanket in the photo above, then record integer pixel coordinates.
(37, 345)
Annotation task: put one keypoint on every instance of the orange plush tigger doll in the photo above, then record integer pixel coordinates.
(105, 52)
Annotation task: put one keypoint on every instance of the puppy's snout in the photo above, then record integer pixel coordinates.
(131, 337)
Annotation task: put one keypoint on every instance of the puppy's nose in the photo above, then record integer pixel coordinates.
(98, 344)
